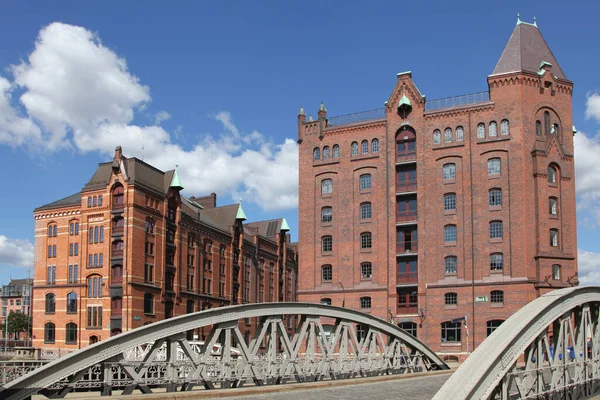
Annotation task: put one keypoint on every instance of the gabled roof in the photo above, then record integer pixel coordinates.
(221, 217)
(267, 229)
(69, 201)
(525, 51)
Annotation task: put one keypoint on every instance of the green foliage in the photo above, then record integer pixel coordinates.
(17, 323)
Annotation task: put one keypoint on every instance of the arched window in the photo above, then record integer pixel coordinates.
(326, 214)
(148, 303)
(451, 331)
(366, 270)
(365, 302)
(326, 301)
(365, 210)
(118, 196)
(336, 151)
(72, 302)
(437, 136)
(449, 171)
(450, 233)
(375, 146)
(448, 135)
(538, 128)
(460, 134)
(493, 325)
(554, 237)
(326, 273)
(497, 296)
(71, 334)
(451, 298)
(354, 148)
(495, 197)
(450, 265)
(316, 154)
(326, 243)
(552, 174)
(450, 202)
(553, 205)
(49, 332)
(496, 262)
(94, 284)
(494, 166)
(93, 339)
(117, 273)
(365, 147)
(52, 230)
(481, 131)
(493, 129)
(50, 303)
(100, 200)
(95, 202)
(326, 186)
(496, 230)
(555, 129)
(556, 272)
(326, 153)
(546, 122)
(365, 181)
(409, 327)
(504, 127)
(365, 240)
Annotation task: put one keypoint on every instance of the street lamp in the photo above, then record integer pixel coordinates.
(344, 292)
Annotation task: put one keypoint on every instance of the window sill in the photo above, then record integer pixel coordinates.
(448, 145)
(496, 240)
(326, 195)
(449, 244)
(365, 220)
(554, 216)
(365, 278)
(365, 191)
(324, 253)
(495, 176)
(450, 212)
(496, 305)
(497, 138)
(450, 306)
(326, 224)
(451, 344)
(366, 250)
(553, 185)
(48, 342)
(71, 312)
(358, 157)
(495, 208)
(149, 314)
(49, 313)
(449, 181)
(450, 274)
(496, 271)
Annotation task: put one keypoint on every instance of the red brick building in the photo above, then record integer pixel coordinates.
(16, 297)
(130, 249)
(431, 211)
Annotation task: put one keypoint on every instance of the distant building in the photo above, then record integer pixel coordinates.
(130, 249)
(16, 297)
(425, 212)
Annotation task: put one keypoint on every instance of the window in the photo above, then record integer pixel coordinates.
(326, 186)
(326, 153)
(556, 272)
(493, 129)
(480, 131)
(99, 200)
(546, 122)
(553, 205)
(460, 134)
(72, 302)
(375, 146)
(326, 244)
(437, 136)
(95, 203)
(149, 248)
(538, 128)
(451, 331)
(71, 334)
(149, 226)
(94, 286)
(365, 181)
(450, 265)
(326, 273)
(149, 273)
(76, 249)
(451, 299)
(493, 325)
(366, 270)
(73, 273)
(496, 262)
(504, 127)
(497, 296)
(89, 202)
(148, 303)
(52, 230)
(70, 249)
(354, 148)
(409, 327)
(72, 228)
(101, 240)
(448, 135)
(326, 301)
(49, 332)
(51, 275)
(450, 233)
(495, 197)
(94, 317)
(50, 303)
(365, 211)
(326, 214)
(554, 237)
(336, 151)
(364, 147)
(449, 171)
(365, 302)
(365, 240)
(555, 129)
(552, 174)
(450, 202)
(317, 154)
(496, 230)
(494, 166)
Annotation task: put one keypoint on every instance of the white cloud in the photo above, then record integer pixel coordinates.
(83, 96)
(589, 267)
(592, 109)
(587, 171)
(15, 252)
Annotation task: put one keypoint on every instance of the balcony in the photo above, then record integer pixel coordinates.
(407, 247)
(457, 101)
(408, 156)
(117, 253)
(407, 277)
(408, 301)
(117, 231)
(406, 186)
(403, 217)
(407, 309)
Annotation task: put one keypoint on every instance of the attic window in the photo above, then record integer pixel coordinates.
(548, 84)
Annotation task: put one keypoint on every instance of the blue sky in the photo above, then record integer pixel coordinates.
(215, 84)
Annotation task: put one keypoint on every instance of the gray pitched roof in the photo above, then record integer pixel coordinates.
(222, 217)
(72, 200)
(268, 228)
(525, 51)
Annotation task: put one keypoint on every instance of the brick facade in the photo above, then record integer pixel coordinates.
(422, 218)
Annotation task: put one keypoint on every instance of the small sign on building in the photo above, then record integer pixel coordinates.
(481, 299)
(137, 318)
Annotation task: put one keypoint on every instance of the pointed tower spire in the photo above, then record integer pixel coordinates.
(322, 107)
(284, 225)
(534, 21)
(310, 118)
(301, 111)
(175, 181)
(241, 215)
(518, 18)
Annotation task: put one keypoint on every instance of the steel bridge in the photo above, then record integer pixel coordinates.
(549, 349)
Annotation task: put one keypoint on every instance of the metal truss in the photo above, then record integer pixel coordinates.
(549, 349)
(159, 355)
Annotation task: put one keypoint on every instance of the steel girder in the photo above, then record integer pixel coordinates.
(549, 349)
(165, 358)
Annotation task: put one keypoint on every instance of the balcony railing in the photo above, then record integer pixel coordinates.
(407, 277)
(457, 101)
(406, 216)
(117, 253)
(407, 156)
(356, 117)
(410, 308)
(117, 230)
(407, 247)
(406, 186)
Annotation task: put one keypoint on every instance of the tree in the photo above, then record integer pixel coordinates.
(17, 323)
